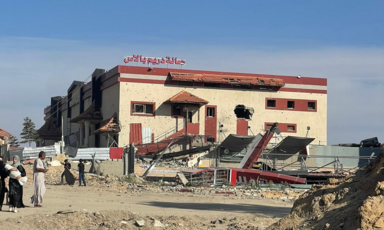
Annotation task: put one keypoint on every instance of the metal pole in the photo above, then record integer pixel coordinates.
(62, 134)
(131, 159)
(125, 162)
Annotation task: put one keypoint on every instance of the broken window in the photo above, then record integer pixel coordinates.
(311, 105)
(291, 128)
(210, 112)
(143, 109)
(271, 103)
(214, 85)
(290, 104)
(176, 110)
(243, 112)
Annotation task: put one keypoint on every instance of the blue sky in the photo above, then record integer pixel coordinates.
(45, 45)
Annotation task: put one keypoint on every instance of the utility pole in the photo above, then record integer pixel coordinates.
(62, 134)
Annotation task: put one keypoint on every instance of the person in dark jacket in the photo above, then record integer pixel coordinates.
(15, 189)
(67, 166)
(81, 166)
(3, 176)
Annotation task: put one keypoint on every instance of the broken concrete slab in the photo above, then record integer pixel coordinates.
(182, 178)
(157, 223)
(140, 223)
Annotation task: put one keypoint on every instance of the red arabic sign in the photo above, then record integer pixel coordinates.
(153, 61)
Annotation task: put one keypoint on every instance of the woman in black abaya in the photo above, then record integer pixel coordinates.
(15, 189)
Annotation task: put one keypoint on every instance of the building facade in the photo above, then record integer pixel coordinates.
(130, 104)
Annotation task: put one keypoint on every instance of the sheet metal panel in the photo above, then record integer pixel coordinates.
(348, 156)
(116, 153)
(250, 149)
(245, 175)
(292, 145)
(16, 152)
(86, 154)
(236, 143)
(135, 135)
(146, 134)
(30, 153)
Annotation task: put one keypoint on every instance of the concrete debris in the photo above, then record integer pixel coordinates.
(135, 184)
(123, 222)
(182, 178)
(157, 223)
(54, 163)
(140, 223)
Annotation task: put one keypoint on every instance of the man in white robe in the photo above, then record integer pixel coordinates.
(39, 171)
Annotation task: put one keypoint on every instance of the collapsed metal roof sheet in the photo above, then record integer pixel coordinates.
(292, 145)
(236, 143)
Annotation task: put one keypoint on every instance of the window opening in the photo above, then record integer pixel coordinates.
(142, 109)
(210, 112)
(271, 103)
(290, 104)
(311, 105)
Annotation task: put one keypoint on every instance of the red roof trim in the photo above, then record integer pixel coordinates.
(165, 72)
(185, 97)
(4, 133)
(161, 82)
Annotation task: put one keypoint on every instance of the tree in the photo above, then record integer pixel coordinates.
(29, 133)
(13, 142)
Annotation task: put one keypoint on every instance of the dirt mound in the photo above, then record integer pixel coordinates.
(357, 202)
(69, 219)
(60, 157)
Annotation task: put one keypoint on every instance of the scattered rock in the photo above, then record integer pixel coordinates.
(140, 223)
(123, 222)
(157, 223)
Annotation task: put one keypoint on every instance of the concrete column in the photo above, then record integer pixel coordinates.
(86, 140)
(81, 127)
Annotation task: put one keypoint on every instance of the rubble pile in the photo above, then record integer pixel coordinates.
(357, 202)
(82, 219)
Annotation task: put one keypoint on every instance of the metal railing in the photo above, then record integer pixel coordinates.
(162, 136)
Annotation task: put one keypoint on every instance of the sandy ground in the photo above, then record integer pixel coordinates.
(64, 197)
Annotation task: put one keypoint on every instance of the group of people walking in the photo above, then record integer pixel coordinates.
(17, 178)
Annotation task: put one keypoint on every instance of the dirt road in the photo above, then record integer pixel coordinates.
(59, 198)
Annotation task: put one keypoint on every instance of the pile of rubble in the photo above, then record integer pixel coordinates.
(83, 219)
(135, 184)
(357, 202)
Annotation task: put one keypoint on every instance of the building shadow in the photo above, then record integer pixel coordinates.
(238, 208)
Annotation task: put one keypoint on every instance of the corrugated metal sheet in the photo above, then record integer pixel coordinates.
(86, 154)
(146, 135)
(70, 151)
(16, 152)
(135, 135)
(30, 153)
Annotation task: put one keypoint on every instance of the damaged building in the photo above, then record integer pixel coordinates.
(141, 105)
